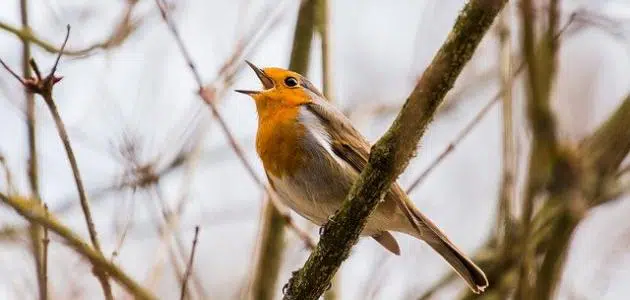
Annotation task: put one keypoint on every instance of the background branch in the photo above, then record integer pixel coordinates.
(271, 243)
(35, 231)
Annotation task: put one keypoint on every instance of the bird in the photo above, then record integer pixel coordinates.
(312, 155)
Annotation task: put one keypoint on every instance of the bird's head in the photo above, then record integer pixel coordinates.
(281, 89)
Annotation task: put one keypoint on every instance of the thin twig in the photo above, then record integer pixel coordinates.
(451, 146)
(323, 27)
(63, 135)
(509, 161)
(125, 228)
(471, 125)
(35, 231)
(209, 96)
(123, 29)
(189, 267)
(8, 176)
(171, 221)
(12, 72)
(45, 243)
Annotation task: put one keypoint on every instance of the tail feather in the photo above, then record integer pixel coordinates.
(425, 229)
(473, 275)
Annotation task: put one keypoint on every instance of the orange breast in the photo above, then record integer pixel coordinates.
(278, 140)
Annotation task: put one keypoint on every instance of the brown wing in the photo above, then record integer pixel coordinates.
(346, 141)
(349, 144)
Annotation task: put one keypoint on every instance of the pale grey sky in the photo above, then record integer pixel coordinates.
(144, 90)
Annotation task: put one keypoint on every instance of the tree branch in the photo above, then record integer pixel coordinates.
(35, 231)
(544, 154)
(608, 146)
(303, 37)
(391, 154)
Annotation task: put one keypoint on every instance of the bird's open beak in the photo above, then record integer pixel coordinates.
(266, 81)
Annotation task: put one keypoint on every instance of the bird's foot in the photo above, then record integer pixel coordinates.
(322, 229)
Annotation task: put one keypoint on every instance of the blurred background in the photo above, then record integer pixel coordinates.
(156, 164)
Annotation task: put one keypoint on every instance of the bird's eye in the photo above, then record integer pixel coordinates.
(291, 81)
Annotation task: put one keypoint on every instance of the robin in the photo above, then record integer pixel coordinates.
(312, 155)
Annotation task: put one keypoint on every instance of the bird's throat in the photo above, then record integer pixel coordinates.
(278, 141)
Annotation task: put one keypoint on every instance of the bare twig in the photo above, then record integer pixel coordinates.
(189, 267)
(33, 211)
(45, 243)
(171, 228)
(269, 253)
(322, 25)
(391, 154)
(125, 27)
(12, 72)
(451, 146)
(63, 135)
(35, 230)
(8, 176)
(303, 37)
(123, 235)
(509, 160)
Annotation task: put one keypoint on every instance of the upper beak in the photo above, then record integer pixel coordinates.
(264, 79)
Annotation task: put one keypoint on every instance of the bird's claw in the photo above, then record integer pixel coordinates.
(322, 229)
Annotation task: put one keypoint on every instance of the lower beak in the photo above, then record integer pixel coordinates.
(246, 92)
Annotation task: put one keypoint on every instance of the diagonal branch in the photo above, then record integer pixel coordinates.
(189, 266)
(391, 154)
(34, 212)
(608, 146)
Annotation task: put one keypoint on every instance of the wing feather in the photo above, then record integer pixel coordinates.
(350, 146)
(346, 142)
(353, 148)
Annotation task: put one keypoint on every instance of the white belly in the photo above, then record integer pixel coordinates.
(303, 200)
